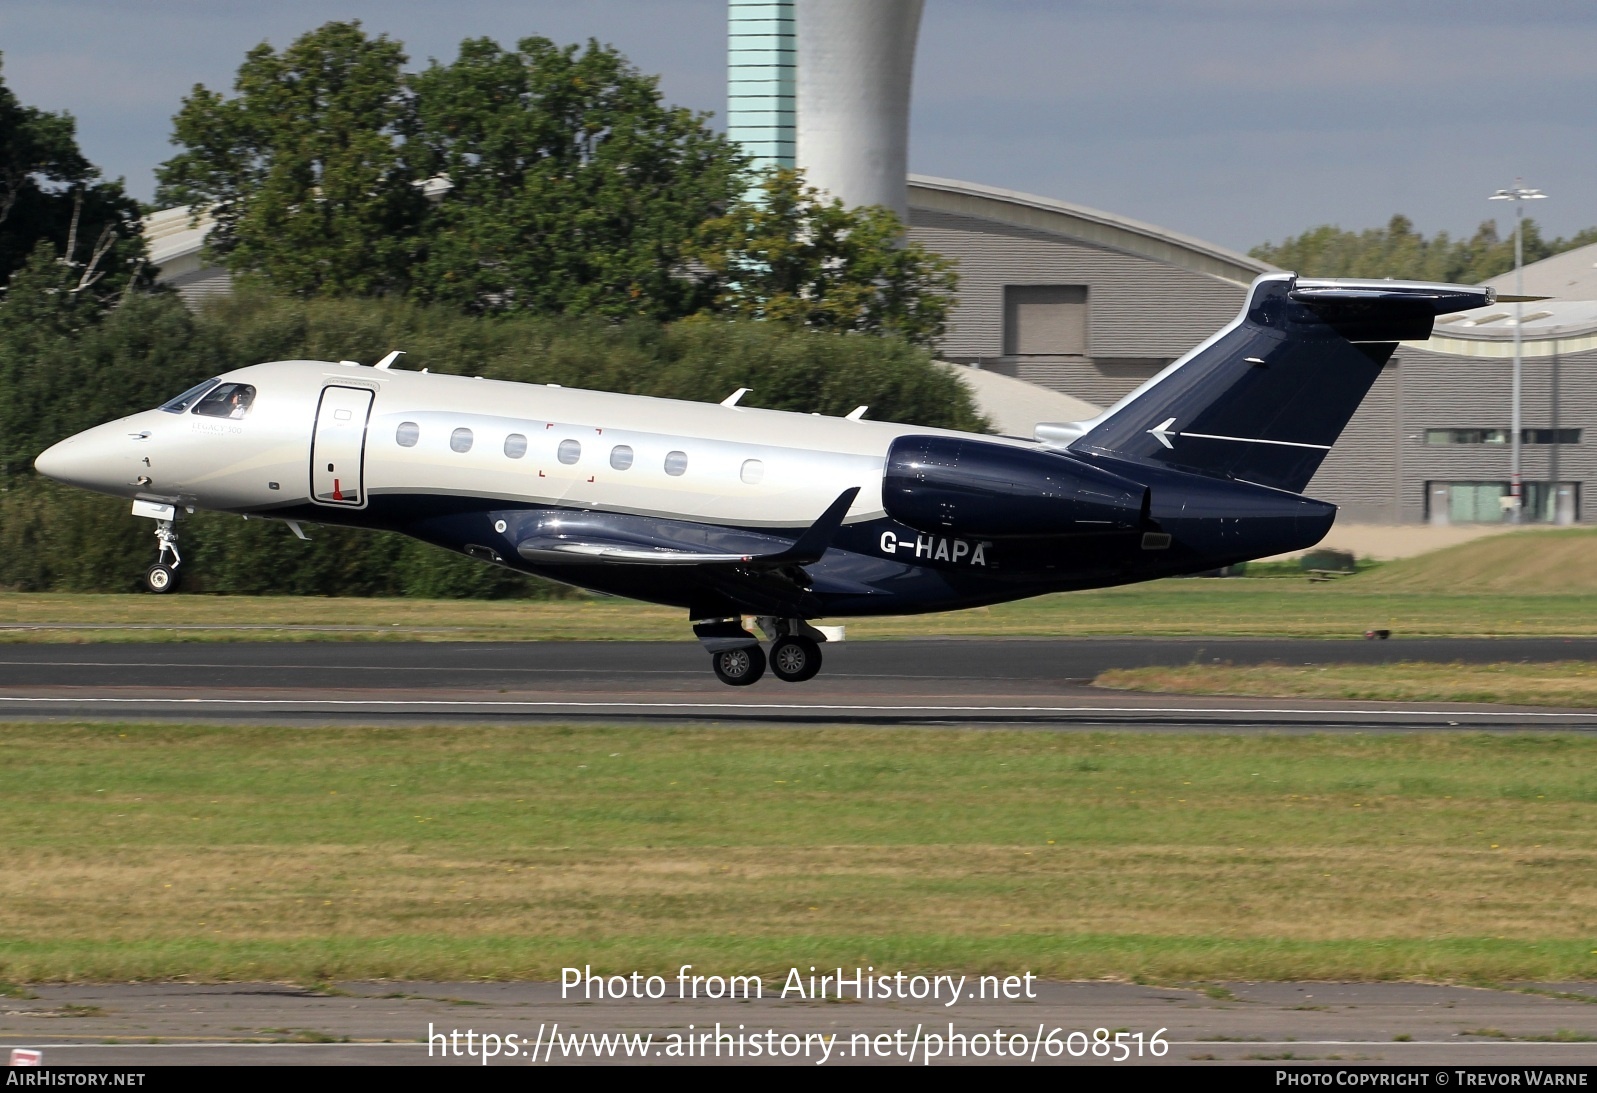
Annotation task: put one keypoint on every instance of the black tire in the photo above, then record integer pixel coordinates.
(795, 660)
(739, 667)
(161, 579)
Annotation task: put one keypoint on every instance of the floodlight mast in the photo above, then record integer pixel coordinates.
(1519, 193)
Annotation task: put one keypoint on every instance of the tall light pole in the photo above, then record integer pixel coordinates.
(1519, 193)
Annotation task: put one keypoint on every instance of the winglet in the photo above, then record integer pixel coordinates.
(813, 543)
(732, 399)
(388, 361)
(856, 414)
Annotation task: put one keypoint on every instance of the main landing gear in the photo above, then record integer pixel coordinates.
(738, 660)
(163, 576)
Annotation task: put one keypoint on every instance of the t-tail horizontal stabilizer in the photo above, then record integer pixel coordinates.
(1264, 399)
(633, 540)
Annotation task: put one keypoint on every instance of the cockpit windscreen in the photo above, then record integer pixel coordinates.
(230, 400)
(188, 398)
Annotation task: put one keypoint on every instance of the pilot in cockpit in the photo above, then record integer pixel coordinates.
(228, 400)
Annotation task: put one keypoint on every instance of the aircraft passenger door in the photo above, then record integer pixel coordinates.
(338, 447)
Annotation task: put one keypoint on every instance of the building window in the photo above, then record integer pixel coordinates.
(515, 445)
(621, 457)
(460, 440)
(1045, 320)
(753, 470)
(1489, 503)
(1550, 436)
(570, 451)
(1501, 436)
(407, 434)
(676, 463)
(1466, 436)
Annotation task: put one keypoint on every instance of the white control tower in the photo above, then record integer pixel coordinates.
(854, 62)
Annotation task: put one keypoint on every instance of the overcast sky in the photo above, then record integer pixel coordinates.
(1237, 121)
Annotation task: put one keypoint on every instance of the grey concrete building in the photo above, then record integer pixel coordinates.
(1067, 297)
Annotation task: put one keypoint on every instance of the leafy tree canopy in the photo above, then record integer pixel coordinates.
(787, 253)
(546, 179)
(50, 194)
(305, 168)
(574, 188)
(1399, 251)
(560, 182)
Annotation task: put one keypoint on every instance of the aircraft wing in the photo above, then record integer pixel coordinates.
(617, 539)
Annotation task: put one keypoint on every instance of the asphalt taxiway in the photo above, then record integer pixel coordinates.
(970, 681)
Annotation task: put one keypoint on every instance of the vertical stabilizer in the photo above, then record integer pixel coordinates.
(1264, 399)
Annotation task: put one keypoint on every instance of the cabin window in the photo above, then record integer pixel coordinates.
(229, 400)
(570, 451)
(621, 457)
(515, 445)
(753, 471)
(188, 398)
(460, 440)
(407, 434)
(676, 463)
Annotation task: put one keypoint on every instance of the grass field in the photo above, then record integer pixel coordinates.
(249, 852)
(1566, 684)
(1207, 608)
(1540, 562)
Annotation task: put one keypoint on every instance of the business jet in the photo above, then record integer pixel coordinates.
(728, 511)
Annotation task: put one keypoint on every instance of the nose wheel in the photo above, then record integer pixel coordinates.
(163, 576)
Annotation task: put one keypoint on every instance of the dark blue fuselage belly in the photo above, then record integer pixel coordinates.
(874, 567)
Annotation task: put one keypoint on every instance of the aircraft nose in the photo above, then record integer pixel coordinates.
(58, 460)
(92, 460)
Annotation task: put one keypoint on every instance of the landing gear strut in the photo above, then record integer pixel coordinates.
(738, 660)
(163, 576)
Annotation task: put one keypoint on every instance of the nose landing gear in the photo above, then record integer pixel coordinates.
(163, 576)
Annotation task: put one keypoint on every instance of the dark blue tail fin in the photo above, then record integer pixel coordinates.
(1264, 399)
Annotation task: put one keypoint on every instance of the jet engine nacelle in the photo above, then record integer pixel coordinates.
(973, 488)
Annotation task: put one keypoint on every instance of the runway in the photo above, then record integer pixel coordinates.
(952, 682)
(1386, 1024)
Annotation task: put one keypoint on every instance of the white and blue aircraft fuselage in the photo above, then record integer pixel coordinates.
(729, 511)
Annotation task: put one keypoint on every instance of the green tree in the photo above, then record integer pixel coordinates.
(788, 254)
(1399, 251)
(50, 193)
(305, 169)
(574, 188)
